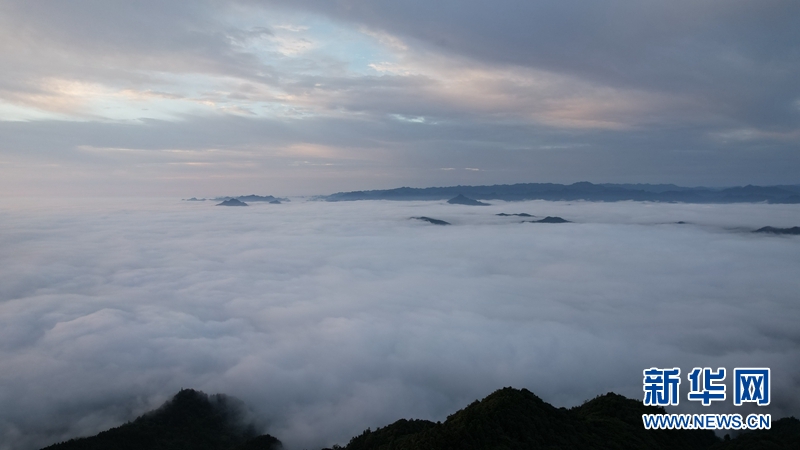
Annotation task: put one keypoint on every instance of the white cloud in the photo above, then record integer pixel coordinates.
(330, 318)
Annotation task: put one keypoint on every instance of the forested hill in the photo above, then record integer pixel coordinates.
(508, 419)
(585, 191)
(191, 420)
(512, 419)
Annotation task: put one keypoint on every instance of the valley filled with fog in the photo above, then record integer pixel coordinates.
(328, 318)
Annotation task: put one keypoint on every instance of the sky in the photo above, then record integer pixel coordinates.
(212, 97)
(329, 318)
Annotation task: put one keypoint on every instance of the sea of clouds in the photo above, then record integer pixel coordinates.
(328, 318)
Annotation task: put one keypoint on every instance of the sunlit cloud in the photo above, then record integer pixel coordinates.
(62, 96)
(290, 52)
(392, 42)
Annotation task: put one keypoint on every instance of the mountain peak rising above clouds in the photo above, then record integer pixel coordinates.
(190, 420)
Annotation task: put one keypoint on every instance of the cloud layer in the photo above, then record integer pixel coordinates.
(330, 318)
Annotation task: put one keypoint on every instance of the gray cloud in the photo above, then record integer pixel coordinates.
(330, 318)
(209, 156)
(686, 92)
(738, 58)
(115, 37)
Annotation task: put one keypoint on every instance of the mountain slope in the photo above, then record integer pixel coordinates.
(190, 420)
(511, 419)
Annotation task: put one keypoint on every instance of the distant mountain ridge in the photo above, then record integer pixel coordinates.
(774, 230)
(461, 200)
(585, 191)
(255, 198)
(232, 202)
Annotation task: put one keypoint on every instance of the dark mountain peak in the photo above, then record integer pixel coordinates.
(550, 219)
(774, 230)
(192, 402)
(516, 419)
(189, 397)
(389, 437)
(505, 404)
(510, 410)
(461, 200)
(232, 202)
(432, 220)
(189, 420)
(254, 198)
(509, 396)
(258, 198)
(520, 215)
(616, 406)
